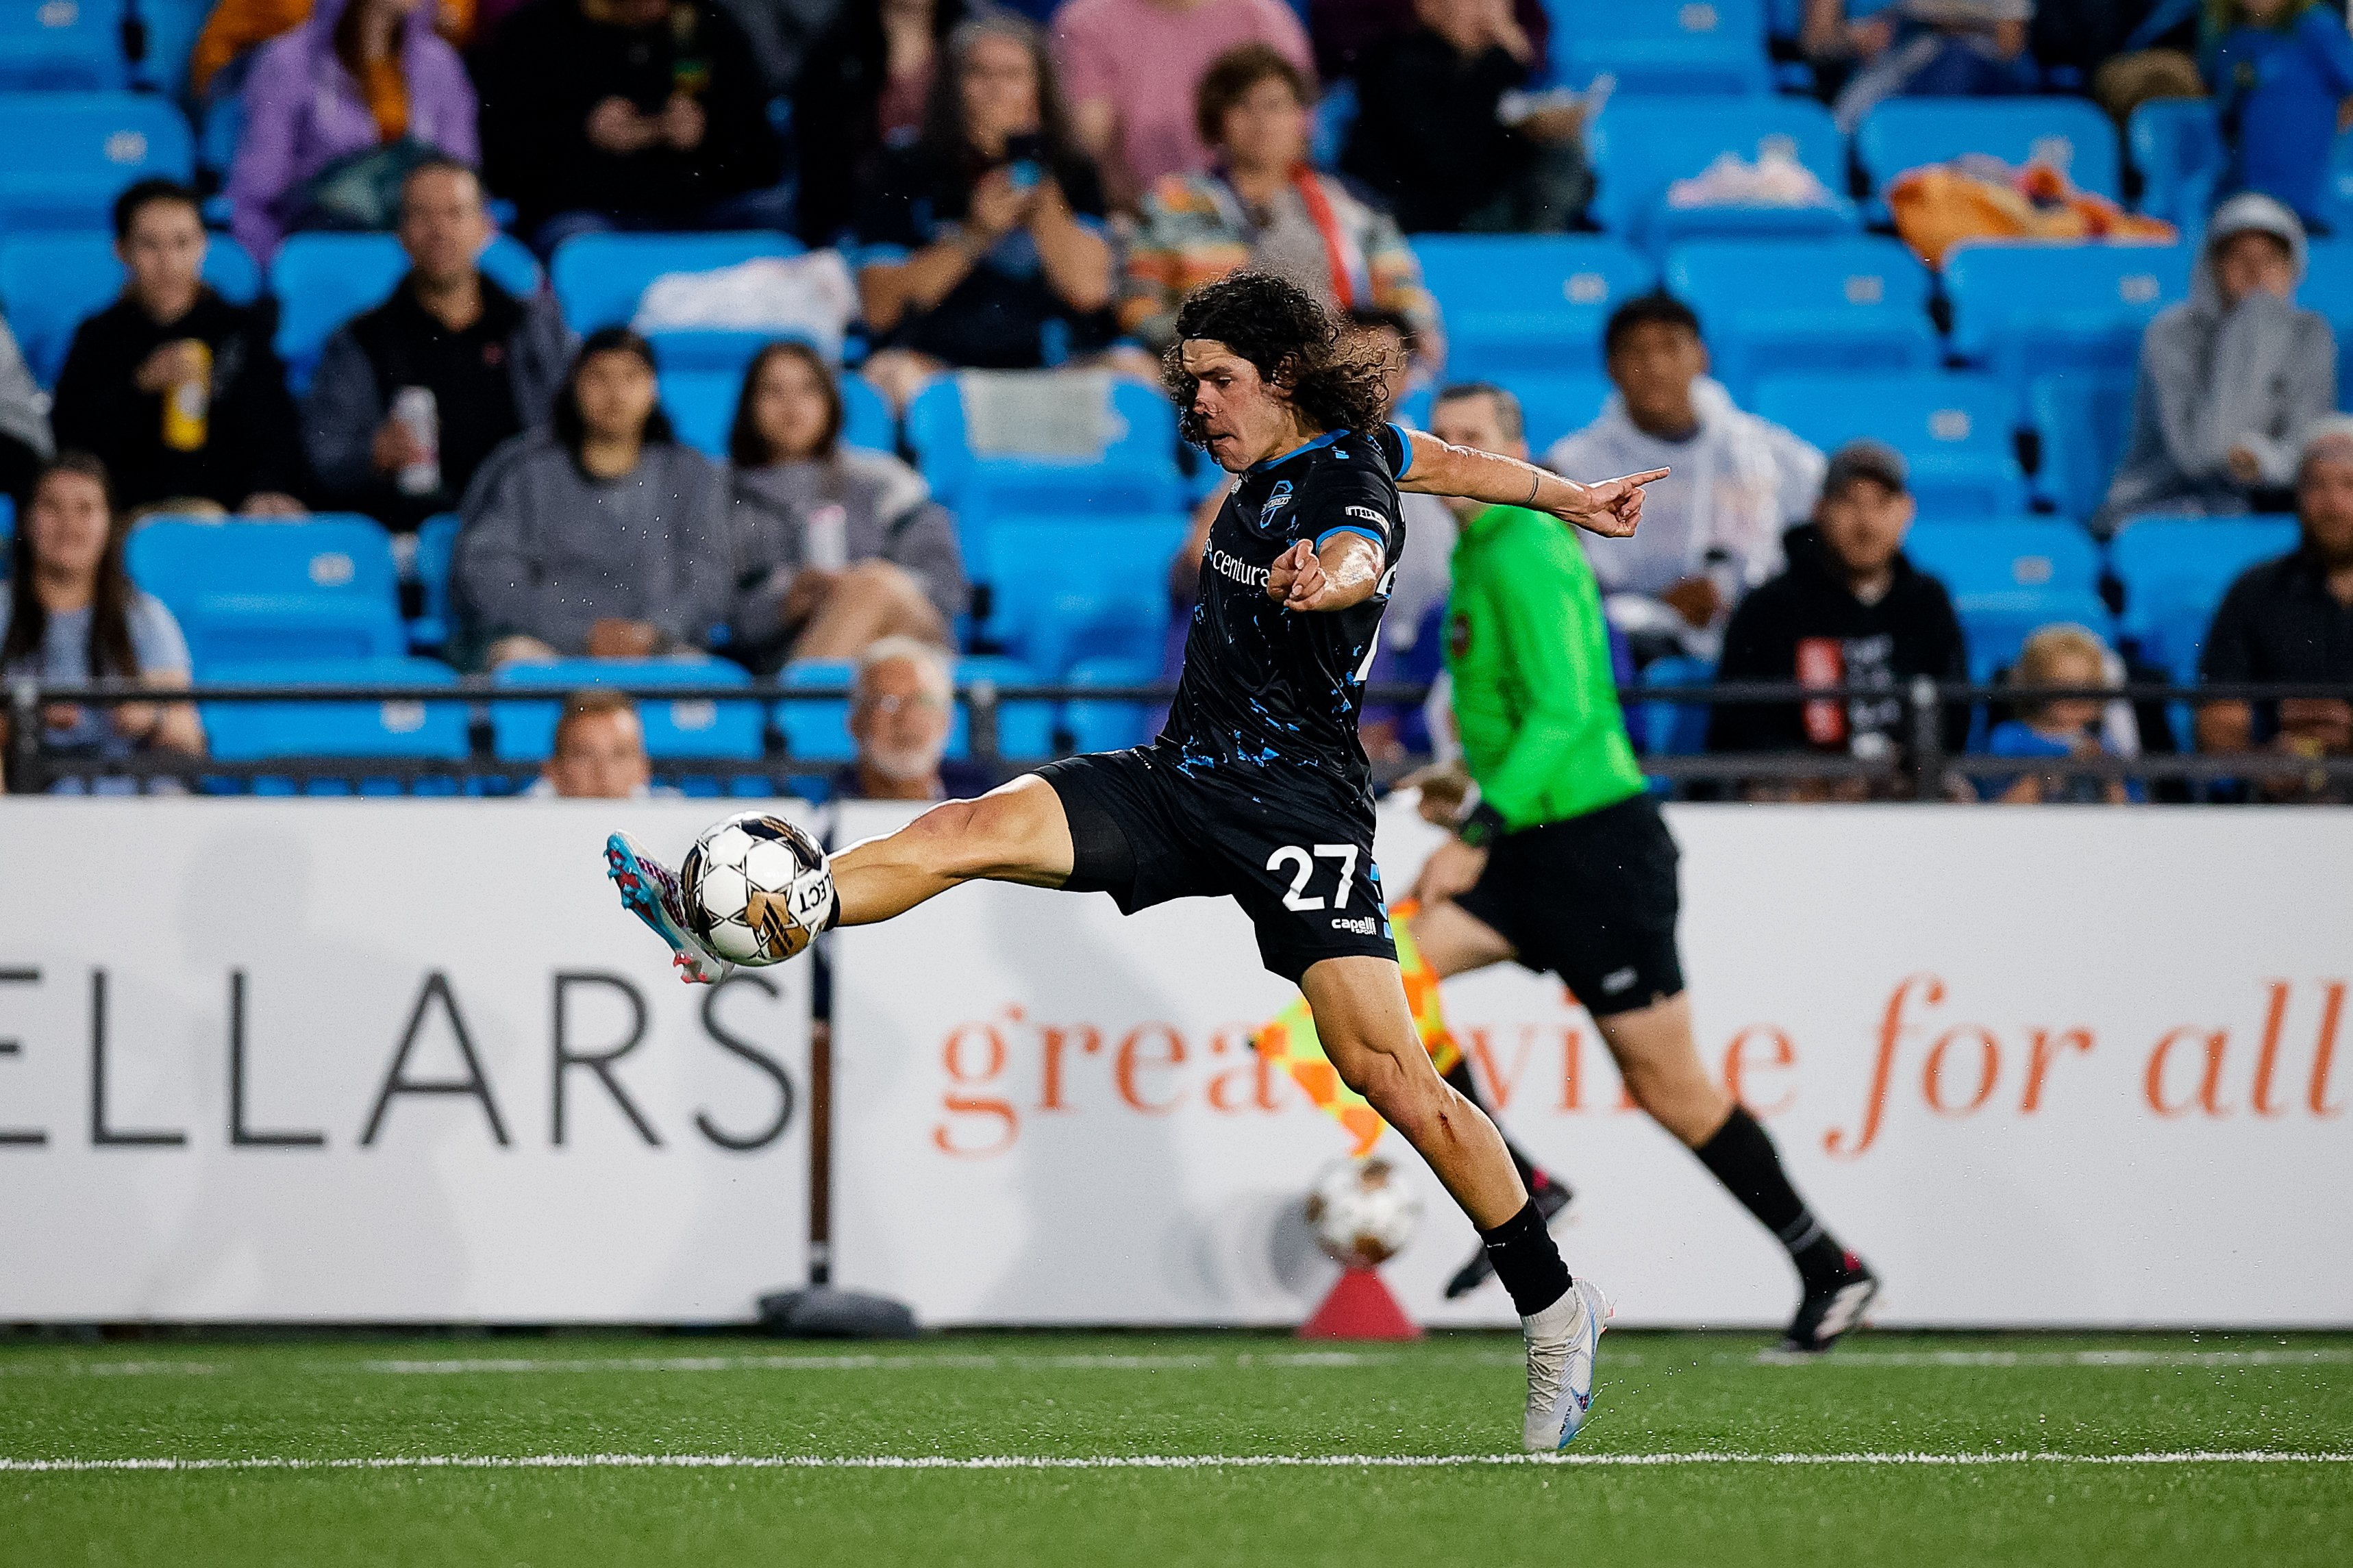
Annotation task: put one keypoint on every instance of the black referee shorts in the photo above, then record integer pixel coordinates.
(1289, 846)
(1593, 900)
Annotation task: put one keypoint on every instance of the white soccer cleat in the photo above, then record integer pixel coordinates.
(1562, 1340)
(651, 892)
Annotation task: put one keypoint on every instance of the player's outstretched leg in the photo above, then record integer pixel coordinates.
(1015, 833)
(1369, 1036)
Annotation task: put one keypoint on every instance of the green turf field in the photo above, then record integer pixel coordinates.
(1171, 1449)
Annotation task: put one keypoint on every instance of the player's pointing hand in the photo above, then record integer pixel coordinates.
(1611, 507)
(1296, 581)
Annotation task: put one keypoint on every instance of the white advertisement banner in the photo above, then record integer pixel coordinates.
(2052, 1065)
(381, 1061)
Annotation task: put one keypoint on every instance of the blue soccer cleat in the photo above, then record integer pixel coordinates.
(1562, 1340)
(651, 892)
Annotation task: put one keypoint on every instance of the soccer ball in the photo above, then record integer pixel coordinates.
(755, 889)
(1361, 1211)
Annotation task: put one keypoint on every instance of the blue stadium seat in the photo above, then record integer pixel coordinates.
(2176, 571)
(525, 732)
(1957, 433)
(1065, 591)
(2178, 149)
(701, 405)
(1558, 406)
(49, 282)
(1024, 729)
(323, 280)
(244, 731)
(1905, 132)
(1097, 725)
(2083, 419)
(2022, 309)
(1998, 623)
(245, 592)
(2011, 579)
(1664, 729)
(65, 157)
(1792, 306)
(1528, 302)
(2328, 289)
(436, 540)
(1640, 146)
(61, 46)
(866, 419)
(1662, 45)
(599, 276)
(817, 730)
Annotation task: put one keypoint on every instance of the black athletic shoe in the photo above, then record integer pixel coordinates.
(1550, 1199)
(1831, 1310)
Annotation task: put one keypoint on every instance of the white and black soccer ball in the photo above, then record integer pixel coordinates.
(757, 887)
(1362, 1212)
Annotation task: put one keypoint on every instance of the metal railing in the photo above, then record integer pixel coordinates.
(1918, 765)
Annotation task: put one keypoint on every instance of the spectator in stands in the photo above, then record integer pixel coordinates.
(1132, 67)
(902, 701)
(237, 26)
(336, 111)
(2050, 729)
(1923, 48)
(599, 753)
(1711, 529)
(490, 362)
(867, 80)
(71, 616)
(782, 33)
(24, 442)
(599, 535)
(2283, 78)
(1436, 137)
(2128, 50)
(1261, 205)
(600, 115)
(1347, 31)
(175, 389)
(2229, 378)
(983, 239)
(1849, 610)
(835, 547)
(2292, 619)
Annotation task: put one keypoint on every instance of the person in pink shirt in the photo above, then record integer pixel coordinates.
(1130, 68)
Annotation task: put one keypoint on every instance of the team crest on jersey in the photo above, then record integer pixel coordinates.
(1275, 502)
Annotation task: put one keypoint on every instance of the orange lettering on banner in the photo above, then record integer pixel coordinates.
(2209, 1088)
(2325, 1053)
(1572, 1050)
(1932, 1077)
(1259, 1074)
(1500, 1084)
(2267, 1055)
(1837, 1141)
(1129, 1063)
(1735, 1064)
(952, 1058)
(1053, 1040)
(2044, 1051)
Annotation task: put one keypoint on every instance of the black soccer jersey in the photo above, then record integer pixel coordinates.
(1264, 685)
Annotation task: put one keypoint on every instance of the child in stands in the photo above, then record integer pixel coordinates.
(2058, 657)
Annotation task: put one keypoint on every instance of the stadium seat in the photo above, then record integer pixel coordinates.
(2177, 569)
(1998, 623)
(1024, 729)
(2083, 420)
(323, 280)
(2009, 579)
(2178, 149)
(1558, 406)
(1957, 433)
(1065, 591)
(599, 276)
(1097, 725)
(816, 730)
(1641, 146)
(65, 157)
(1528, 302)
(525, 732)
(2328, 289)
(2069, 132)
(1664, 729)
(436, 540)
(1792, 306)
(247, 591)
(61, 46)
(49, 282)
(866, 419)
(1658, 46)
(2021, 308)
(246, 731)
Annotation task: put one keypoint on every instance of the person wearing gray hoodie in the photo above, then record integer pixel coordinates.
(2229, 378)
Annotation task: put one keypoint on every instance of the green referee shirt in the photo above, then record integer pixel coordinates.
(1534, 691)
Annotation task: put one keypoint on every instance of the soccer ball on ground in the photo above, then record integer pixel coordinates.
(755, 887)
(1361, 1211)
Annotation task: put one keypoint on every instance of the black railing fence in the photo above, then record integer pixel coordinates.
(1916, 765)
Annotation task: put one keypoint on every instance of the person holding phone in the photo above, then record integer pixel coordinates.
(983, 240)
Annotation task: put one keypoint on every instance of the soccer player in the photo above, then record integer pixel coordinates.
(1563, 861)
(1258, 789)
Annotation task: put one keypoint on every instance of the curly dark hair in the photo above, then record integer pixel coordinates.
(1335, 377)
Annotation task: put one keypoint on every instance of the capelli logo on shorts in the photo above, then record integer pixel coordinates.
(1361, 927)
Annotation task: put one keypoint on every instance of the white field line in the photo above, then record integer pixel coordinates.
(1149, 1461)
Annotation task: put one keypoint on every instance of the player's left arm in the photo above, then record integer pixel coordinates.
(1344, 572)
(1610, 508)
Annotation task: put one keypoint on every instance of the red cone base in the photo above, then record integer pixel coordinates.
(1360, 1307)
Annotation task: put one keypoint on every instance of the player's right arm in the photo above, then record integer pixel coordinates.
(1611, 507)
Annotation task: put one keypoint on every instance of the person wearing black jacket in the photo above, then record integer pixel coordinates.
(627, 114)
(175, 389)
(866, 74)
(1850, 610)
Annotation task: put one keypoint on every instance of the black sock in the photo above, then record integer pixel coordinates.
(1741, 1155)
(1527, 1261)
(1531, 1176)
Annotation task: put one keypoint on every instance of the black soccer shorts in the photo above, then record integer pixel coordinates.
(1293, 851)
(1593, 900)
